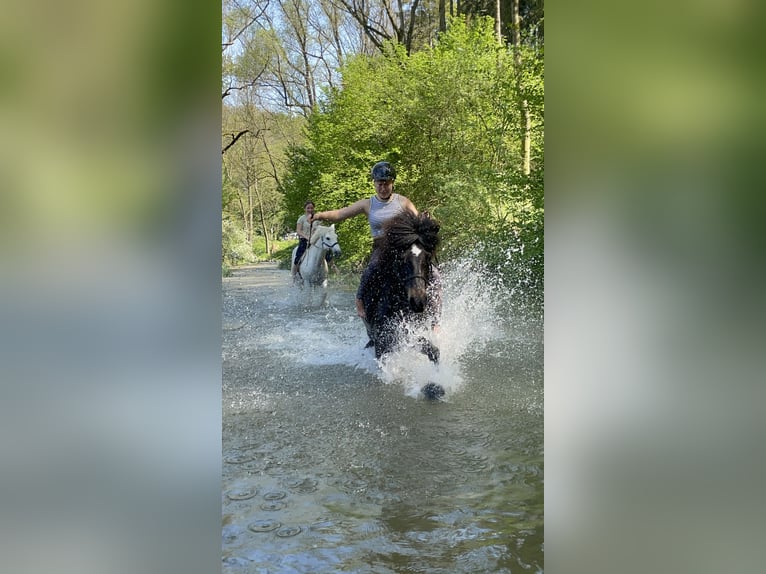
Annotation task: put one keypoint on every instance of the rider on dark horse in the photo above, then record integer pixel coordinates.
(380, 208)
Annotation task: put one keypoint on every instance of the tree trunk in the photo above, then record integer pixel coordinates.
(250, 227)
(309, 78)
(262, 218)
(498, 22)
(443, 15)
(243, 209)
(526, 143)
(527, 167)
(411, 28)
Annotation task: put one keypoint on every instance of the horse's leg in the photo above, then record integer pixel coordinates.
(306, 270)
(294, 268)
(298, 277)
(323, 284)
(432, 390)
(370, 333)
(429, 349)
(384, 339)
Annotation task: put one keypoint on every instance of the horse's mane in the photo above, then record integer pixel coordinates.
(407, 228)
(317, 233)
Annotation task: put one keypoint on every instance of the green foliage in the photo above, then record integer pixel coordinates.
(279, 249)
(450, 119)
(252, 168)
(235, 248)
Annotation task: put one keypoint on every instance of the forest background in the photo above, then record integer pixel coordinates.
(316, 91)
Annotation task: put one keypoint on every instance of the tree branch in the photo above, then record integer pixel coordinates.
(245, 27)
(234, 139)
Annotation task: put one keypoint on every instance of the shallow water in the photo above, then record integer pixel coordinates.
(335, 463)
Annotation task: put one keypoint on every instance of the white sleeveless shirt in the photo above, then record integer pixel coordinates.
(382, 211)
(304, 225)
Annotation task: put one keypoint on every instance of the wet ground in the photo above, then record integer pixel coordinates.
(334, 463)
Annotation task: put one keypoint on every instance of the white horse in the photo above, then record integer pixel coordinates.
(313, 267)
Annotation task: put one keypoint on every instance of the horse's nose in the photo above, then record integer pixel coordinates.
(418, 301)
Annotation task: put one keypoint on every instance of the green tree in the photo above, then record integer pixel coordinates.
(449, 118)
(253, 170)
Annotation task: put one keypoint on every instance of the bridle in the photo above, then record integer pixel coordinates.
(417, 275)
(412, 277)
(328, 246)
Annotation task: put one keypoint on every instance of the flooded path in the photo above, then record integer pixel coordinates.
(332, 463)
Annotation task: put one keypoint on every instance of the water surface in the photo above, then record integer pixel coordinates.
(333, 462)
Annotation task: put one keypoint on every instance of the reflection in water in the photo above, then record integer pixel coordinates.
(369, 476)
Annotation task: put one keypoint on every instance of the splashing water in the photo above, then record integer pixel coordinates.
(471, 318)
(325, 447)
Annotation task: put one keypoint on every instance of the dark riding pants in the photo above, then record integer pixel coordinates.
(302, 245)
(369, 271)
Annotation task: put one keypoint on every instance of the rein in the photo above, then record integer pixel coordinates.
(411, 277)
(329, 246)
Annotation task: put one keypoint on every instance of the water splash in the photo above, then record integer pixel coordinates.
(472, 316)
(474, 313)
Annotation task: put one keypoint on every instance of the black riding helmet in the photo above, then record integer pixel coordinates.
(383, 170)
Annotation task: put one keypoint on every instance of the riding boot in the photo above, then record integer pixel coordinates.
(368, 328)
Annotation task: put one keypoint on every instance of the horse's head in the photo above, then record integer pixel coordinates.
(326, 238)
(411, 241)
(416, 275)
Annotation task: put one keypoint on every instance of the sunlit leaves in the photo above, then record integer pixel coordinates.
(449, 118)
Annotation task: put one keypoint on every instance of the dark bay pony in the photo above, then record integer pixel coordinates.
(404, 288)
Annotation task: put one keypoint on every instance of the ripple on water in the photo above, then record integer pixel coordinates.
(236, 561)
(278, 469)
(354, 485)
(274, 505)
(239, 458)
(455, 450)
(323, 525)
(274, 495)
(302, 485)
(263, 525)
(241, 493)
(477, 462)
(481, 437)
(289, 531)
(258, 466)
(370, 528)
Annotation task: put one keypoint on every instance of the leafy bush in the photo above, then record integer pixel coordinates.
(449, 118)
(235, 248)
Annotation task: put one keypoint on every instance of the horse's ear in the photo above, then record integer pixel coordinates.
(332, 227)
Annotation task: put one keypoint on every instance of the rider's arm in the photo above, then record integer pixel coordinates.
(408, 205)
(338, 215)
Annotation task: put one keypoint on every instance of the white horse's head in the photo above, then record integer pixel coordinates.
(325, 238)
